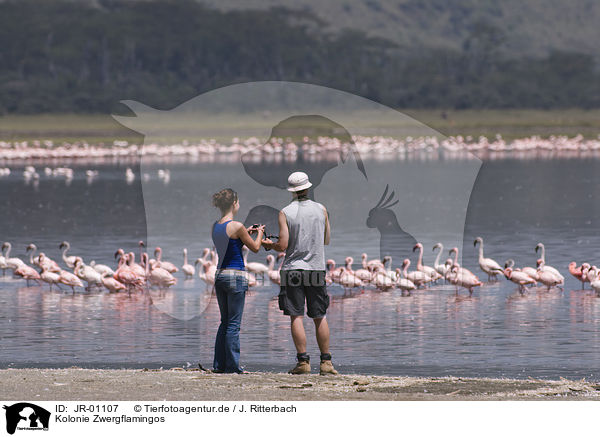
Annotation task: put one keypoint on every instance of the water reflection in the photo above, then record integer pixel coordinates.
(496, 332)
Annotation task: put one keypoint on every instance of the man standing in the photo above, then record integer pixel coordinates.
(303, 232)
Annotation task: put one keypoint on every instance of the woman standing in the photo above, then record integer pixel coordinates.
(231, 282)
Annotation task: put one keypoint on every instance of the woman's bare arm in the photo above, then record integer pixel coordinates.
(243, 234)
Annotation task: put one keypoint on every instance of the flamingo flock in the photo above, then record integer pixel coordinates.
(379, 274)
(32, 175)
(253, 146)
(129, 275)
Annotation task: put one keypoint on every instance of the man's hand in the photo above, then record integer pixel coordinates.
(267, 243)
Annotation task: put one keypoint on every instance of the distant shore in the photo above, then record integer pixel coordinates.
(510, 123)
(192, 384)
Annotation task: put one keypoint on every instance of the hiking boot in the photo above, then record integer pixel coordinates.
(327, 368)
(302, 367)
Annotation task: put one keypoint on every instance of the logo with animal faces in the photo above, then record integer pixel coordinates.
(24, 416)
(251, 136)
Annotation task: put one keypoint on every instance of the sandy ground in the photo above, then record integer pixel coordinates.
(179, 384)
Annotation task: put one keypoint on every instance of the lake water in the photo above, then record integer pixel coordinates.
(497, 332)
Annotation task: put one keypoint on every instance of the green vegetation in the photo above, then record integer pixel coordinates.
(62, 56)
(509, 123)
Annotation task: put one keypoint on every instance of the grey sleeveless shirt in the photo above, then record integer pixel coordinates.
(306, 224)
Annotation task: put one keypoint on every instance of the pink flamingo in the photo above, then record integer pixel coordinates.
(461, 279)
(70, 279)
(28, 273)
(519, 278)
(125, 275)
(416, 277)
(159, 276)
(207, 271)
(274, 275)
(348, 280)
(169, 267)
(112, 284)
(135, 267)
(370, 264)
(463, 271)
(333, 272)
(429, 271)
(548, 277)
(362, 274)
(579, 272)
(49, 277)
(403, 283)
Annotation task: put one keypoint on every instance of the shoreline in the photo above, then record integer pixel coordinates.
(178, 384)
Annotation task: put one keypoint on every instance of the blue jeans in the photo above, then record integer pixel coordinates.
(231, 293)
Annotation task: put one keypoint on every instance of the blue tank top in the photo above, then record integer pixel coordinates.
(229, 249)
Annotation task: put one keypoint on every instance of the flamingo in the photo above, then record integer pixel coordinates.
(592, 275)
(26, 272)
(11, 263)
(488, 265)
(49, 277)
(102, 268)
(111, 283)
(382, 281)
(206, 272)
(462, 279)
(3, 264)
(69, 279)
(30, 250)
(429, 271)
(125, 275)
(348, 280)
(254, 267)
(169, 267)
(519, 278)
(187, 269)
(362, 274)
(159, 276)
(416, 277)
(274, 275)
(544, 266)
(403, 283)
(333, 272)
(578, 272)
(87, 273)
(135, 267)
(69, 260)
(530, 271)
(463, 271)
(370, 264)
(442, 269)
(548, 277)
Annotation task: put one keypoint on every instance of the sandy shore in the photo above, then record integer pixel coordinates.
(179, 384)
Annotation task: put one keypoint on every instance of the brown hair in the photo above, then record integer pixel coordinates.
(224, 199)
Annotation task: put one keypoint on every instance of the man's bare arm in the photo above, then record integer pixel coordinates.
(327, 228)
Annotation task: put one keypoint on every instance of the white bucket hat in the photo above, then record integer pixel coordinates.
(298, 181)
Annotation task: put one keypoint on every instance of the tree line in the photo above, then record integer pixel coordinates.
(65, 56)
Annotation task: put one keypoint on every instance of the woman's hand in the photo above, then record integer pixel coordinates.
(253, 229)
